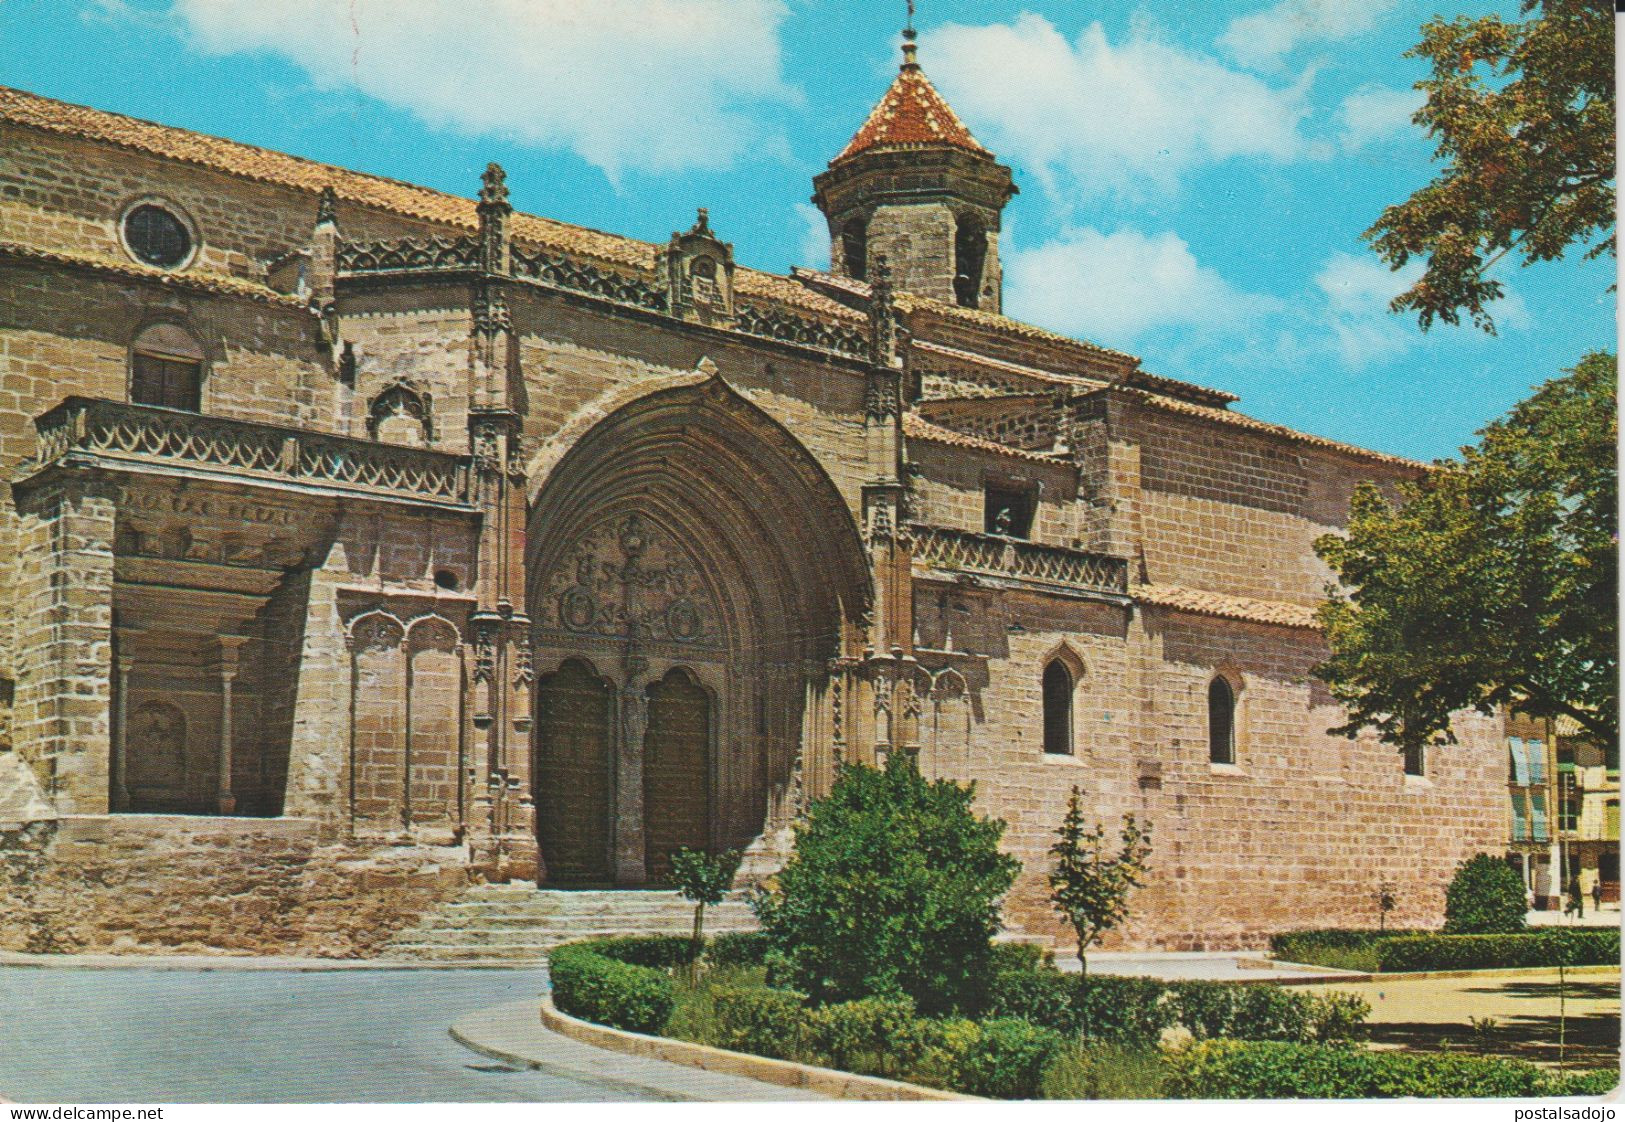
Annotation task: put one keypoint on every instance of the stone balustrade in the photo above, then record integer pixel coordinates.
(133, 437)
(964, 551)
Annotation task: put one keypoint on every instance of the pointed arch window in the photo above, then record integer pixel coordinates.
(1221, 722)
(1058, 687)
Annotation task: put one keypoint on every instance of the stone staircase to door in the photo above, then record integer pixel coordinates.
(519, 923)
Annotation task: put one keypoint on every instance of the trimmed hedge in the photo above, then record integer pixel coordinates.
(623, 983)
(1135, 1011)
(1341, 948)
(1596, 947)
(1390, 951)
(737, 948)
(1237, 1069)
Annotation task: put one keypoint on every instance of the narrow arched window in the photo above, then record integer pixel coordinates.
(1057, 709)
(970, 258)
(855, 248)
(1221, 722)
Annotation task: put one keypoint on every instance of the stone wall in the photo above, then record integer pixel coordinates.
(156, 884)
(1300, 831)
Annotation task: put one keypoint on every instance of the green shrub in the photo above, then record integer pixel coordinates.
(1339, 948)
(1337, 1017)
(1587, 1083)
(769, 1022)
(1234, 1069)
(603, 988)
(1006, 1060)
(874, 1036)
(1485, 897)
(1041, 997)
(663, 951)
(1131, 1011)
(1593, 947)
(737, 948)
(892, 890)
(1105, 1071)
(1020, 956)
(1242, 1012)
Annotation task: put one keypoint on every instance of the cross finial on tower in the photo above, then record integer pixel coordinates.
(909, 35)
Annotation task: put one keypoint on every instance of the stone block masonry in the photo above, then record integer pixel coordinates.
(160, 884)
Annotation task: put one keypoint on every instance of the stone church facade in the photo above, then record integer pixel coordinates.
(359, 541)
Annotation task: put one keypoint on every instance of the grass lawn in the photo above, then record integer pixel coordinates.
(1433, 1014)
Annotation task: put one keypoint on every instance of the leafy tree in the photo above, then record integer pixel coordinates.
(1523, 113)
(1493, 582)
(1485, 897)
(703, 878)
(893, 890)
(1089, 886)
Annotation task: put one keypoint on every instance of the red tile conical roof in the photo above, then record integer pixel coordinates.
(911, 115)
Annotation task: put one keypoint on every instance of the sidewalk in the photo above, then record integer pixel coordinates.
(1607, 917)
(1203, 966)
(514, 1034)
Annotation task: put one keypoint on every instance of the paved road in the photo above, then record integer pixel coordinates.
(90, 1036)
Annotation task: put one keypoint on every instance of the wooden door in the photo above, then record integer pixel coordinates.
(573, 789)
(676, 772)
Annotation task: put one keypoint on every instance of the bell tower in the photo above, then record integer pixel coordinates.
(915, 186)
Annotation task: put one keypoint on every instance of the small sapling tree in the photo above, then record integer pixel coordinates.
(703, 878)
(1089, 884)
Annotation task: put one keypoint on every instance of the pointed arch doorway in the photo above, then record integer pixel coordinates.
(690, 552)
(676, 771)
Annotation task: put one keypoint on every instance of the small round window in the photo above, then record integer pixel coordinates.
(156, 236)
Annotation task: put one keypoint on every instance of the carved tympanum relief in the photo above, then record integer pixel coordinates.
(629, 578)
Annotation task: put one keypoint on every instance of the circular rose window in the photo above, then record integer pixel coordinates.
(157, 236)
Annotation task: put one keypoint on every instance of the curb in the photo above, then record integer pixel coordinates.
(1428, 975)
(781, 1073)
(532, 1064)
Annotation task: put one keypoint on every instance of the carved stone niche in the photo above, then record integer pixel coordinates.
(700, 272)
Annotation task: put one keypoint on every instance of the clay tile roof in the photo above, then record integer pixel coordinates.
(1227, 607)
(109, 266)
(916, 427)
(911, 114)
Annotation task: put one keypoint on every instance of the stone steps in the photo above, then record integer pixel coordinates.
(518, 923)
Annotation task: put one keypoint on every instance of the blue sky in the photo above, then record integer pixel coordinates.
(1194, 176)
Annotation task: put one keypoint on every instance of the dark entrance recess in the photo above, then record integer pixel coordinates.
(573, 746)
(676, 772)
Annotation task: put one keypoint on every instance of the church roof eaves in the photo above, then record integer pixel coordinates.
(1225, 606)
(113, 266)
(1242, 420)
(248, 161)
(916, 427)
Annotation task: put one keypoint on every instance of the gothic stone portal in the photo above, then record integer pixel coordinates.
(625, 774)
(692, 573)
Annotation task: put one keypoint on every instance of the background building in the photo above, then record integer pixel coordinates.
(1565, 810)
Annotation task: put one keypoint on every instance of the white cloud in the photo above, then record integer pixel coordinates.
(650, 85)
(1376, 113)
(813, 249)
(1362, 331)
(1357, 291)
(1115, 288)
(1105, 116)
(1262, 38)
